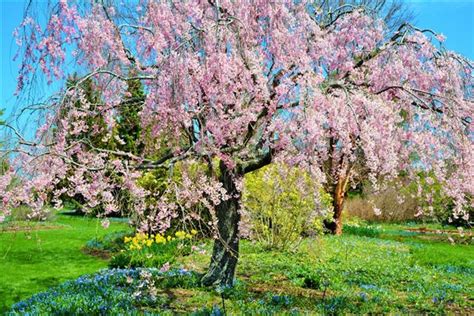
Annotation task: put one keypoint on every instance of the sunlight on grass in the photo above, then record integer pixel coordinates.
(33, 259)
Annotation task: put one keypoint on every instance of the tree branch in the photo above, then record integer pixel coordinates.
(257, 162)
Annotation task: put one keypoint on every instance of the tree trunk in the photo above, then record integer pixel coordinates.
(226, 248)
(338, 195)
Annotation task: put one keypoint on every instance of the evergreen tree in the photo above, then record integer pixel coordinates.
(129, 129)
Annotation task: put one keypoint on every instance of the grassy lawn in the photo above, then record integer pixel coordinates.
(36, 256)
(348, 274)
(371, 269)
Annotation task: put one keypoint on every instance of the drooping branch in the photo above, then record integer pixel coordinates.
(421, 103)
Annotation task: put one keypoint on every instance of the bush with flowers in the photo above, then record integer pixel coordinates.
(153, 250)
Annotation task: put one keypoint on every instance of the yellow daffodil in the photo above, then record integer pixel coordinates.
(180, 234)
(160, 239)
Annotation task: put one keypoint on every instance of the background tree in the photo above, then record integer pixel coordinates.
(129, 129)
(126, 135)
(236, 87)
(395, 15)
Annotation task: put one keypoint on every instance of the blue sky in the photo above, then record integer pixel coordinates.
(455, 19)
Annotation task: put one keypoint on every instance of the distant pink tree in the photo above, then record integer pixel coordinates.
(234, 87)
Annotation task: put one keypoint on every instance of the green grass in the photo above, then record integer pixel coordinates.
(40, 255)
(371, 269)
(350, 274)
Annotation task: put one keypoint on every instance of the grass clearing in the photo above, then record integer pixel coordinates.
(36, 256)
(354, 274)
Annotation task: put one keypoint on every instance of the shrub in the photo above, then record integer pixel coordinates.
(23, 213)
(420, 200)
(436, 204)
(367, 231)
(280, 205)
(112, 242)
(395, 206)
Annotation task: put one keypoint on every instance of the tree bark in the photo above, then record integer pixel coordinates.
(338, 196)
(226, 247)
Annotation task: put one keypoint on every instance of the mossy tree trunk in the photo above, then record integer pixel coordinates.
(225, 253)
(226, 247)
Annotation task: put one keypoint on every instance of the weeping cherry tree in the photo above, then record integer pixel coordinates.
(235, 86)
